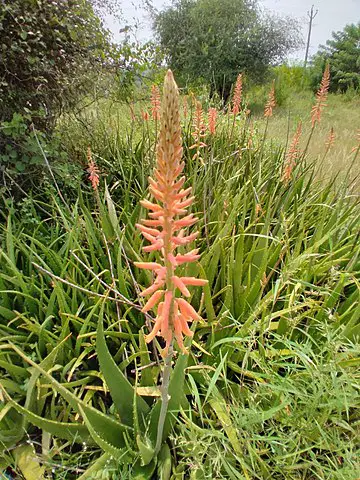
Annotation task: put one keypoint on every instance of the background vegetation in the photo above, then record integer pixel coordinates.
(196, 34)
(343, 53)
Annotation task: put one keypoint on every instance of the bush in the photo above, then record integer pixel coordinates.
(50, 54)
(24, 153)
(289, 80)
(47, 53)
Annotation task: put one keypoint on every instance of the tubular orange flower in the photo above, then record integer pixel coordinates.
(145, 115)
(292, 155)
(321, 97)
(155, 103)
(165, 230)
(237, 95)
(198, 131)
(271, 103)
(212, 116)
(92, 170)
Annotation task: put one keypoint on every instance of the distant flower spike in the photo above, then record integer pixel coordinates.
(271, 103)
(155, 103)
(250, 140)
(92, 170)
(237, 97)
(321, 97)
(198, 132)
(212, 116)
(165, 231)
(145, 115)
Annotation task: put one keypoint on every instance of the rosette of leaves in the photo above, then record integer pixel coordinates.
(128, 436)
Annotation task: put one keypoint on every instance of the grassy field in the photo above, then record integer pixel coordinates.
(108, 123)
(270, 389)
(341, 114)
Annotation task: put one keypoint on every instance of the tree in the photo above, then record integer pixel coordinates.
(343, 53)
(211, 41)
(102, 8)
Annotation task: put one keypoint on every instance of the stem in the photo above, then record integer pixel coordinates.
(309, 140)
(164, 398)
(262, 148)
(265, 133)
(232, 128)
(205, 209)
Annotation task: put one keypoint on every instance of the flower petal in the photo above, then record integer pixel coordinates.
(187, 310)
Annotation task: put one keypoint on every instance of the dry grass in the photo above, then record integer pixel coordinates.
(340, 114)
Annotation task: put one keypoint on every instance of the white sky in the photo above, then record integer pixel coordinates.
(332, 15)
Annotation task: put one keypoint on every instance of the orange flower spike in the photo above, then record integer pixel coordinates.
(212, 116)
(199, 124)
(271, 103)
(321, 97)
(237, 97)
(155, 103)
(168, 213)
(93, 170)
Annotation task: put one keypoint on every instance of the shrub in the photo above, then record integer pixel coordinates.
(25, 154)
(50, 53)
(47, 51)
(289, 80)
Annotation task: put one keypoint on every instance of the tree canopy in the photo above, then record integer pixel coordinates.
(343, 53)
(211, 41)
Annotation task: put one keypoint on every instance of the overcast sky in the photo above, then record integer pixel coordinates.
(332, 15)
